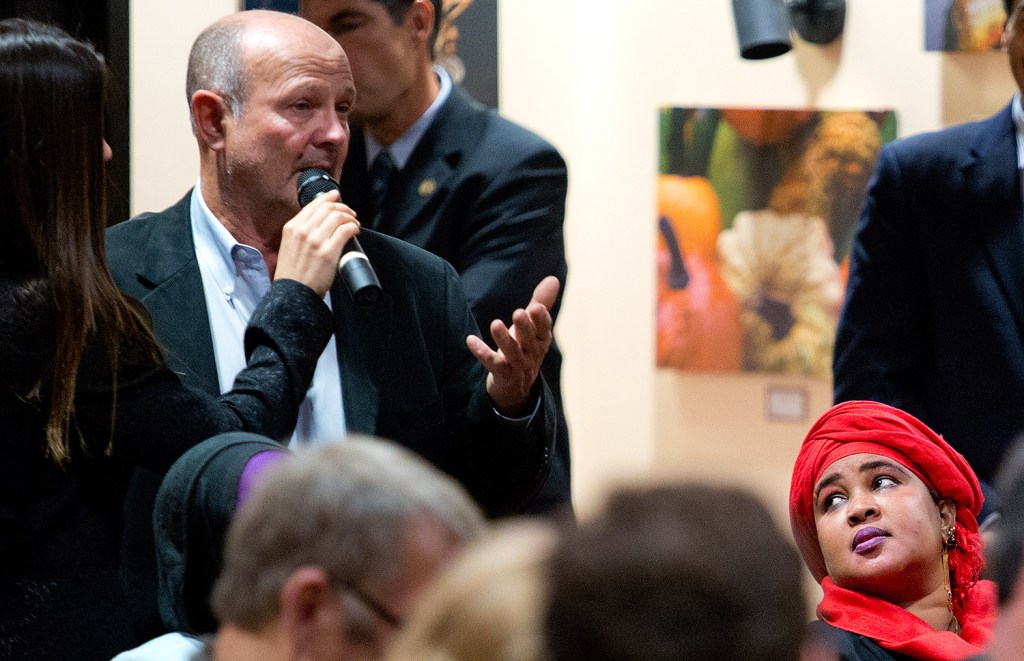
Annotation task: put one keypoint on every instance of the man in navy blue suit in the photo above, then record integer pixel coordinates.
(934, 315)
(431, 166)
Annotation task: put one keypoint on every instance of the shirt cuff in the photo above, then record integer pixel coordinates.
(519, 423)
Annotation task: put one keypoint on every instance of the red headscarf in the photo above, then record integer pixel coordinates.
(869, 427)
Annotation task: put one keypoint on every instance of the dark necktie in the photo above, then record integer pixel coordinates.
(381, 172)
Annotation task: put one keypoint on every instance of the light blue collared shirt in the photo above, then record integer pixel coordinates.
(235, 280)
(1018, 121)
(402, 148)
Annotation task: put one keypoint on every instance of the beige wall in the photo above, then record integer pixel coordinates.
(164, 154)
(589, 76)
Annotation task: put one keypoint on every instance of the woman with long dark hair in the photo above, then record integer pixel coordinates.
(84, 393)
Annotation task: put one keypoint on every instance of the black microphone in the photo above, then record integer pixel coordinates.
(355, 268)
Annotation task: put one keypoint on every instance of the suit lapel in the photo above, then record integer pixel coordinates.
(362, 336)
(355, 180)
(994, 191)
(176, 301)
(427, 175)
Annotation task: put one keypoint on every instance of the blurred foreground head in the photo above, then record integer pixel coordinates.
(489, 604)
(1007, 546)
(692, 571)
(328, 553)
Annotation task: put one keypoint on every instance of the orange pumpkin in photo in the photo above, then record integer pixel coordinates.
(766, 127)
(698, 316)
(691, 205)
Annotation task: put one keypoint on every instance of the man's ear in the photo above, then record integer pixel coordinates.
(421, 13)
(310, 611)
(211, 114)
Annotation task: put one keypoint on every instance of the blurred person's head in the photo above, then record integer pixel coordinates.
(1013, 39)
(1004, 557)
(489, 604)
(1007, 544)
(329, 551)
(693, 571)
(53, 210)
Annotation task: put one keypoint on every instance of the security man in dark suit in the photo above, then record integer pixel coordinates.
(934, 316)
(431, 166)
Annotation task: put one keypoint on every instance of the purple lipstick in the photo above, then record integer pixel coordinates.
(868, 539)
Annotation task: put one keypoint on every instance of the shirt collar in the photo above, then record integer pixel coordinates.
(218, 250)
(402, 148)
(1018, 121)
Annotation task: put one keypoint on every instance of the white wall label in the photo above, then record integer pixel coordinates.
(785, 403)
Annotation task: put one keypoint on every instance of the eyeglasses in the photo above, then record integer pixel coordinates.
(378, 609)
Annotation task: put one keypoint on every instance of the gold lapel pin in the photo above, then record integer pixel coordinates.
(427, 187)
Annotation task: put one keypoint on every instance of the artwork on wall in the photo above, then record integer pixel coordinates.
(963, 25)
(467, 42)
(290, 6)
(467, 47)
(756, 214)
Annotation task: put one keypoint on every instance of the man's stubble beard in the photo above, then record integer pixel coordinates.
(252, 196)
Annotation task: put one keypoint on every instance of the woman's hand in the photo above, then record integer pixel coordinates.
(311, 242)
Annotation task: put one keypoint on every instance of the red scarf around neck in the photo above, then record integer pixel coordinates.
(897, 630)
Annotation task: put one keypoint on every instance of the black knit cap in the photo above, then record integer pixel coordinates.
(194, 507)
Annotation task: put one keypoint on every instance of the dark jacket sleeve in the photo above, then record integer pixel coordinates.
(502, 465)
(849, 646)
(881, 340)
(157, 418)
(513, 236)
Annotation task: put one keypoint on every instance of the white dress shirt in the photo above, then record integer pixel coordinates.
(235, 279)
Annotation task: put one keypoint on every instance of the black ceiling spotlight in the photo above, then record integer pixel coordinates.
(763, 25)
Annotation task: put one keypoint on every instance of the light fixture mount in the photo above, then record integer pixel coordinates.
(763, 26)
(817, 21)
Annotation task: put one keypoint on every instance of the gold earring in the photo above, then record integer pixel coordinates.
(948, 544)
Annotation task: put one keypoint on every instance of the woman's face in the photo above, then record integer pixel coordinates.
(880, 531)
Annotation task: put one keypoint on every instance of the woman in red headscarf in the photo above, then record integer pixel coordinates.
(884, 513)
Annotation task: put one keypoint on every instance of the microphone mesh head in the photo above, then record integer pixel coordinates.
(314, 182)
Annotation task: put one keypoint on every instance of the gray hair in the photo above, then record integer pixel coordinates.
(343, 508)
(215, 63)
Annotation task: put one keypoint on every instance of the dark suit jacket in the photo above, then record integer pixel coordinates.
(489, 197)
(406, 372)
(850, 646)
(934, 316)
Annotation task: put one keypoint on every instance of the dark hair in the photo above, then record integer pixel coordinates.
(53, 204)
(1004, 552)
(694, 572)
(1008, 6)
(398, 8)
